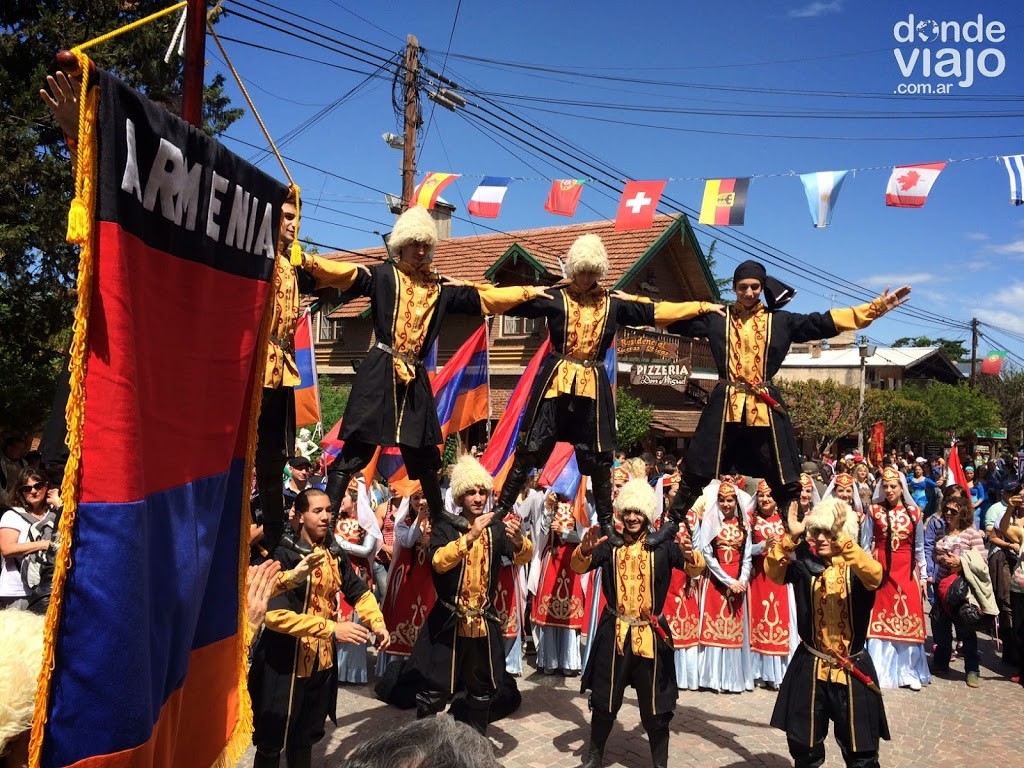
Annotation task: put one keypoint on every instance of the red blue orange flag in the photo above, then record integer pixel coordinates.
(497, 459)
(145, 635)
(460, 389)
(562, 475)
(430, 361)
(307, 393)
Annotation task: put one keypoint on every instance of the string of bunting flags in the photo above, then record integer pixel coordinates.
(725, 200)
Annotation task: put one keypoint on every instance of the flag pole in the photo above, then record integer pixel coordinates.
(195, 62)
(487, 357)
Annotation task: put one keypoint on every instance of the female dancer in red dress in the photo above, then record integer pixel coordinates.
(772, 635)
(896, 633)
(682, 611)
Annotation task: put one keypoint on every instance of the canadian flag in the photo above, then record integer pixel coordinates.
(909, 185)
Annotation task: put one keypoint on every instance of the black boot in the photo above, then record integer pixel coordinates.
(432, 493)
(658, 738)
(266, 759)
(270, 482)
(600, 727)
(479, 708)
(429, 703)
(602, 482)
(299, 757)
(685, 497)
(337, 484)
(514, 482)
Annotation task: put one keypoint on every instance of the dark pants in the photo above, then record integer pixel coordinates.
(473, 671)
(276, 442)
(302, 722)
(421, 462)
(1017, 637)
(567, 419)
(746, 450)
(637, 673)
(942, 631)
(1000, 566)
(831, 702)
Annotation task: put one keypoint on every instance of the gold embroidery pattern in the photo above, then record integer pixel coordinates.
(903, 521)
(417, 299)
(281, 369)
(406, 632)
(902, 625)
(585, 319)
(561, 605)
(769, 630)
(683, 624)
(633, 577)
(747, 354)
(324, 586)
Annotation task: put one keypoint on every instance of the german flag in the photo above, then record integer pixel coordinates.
(724, 202)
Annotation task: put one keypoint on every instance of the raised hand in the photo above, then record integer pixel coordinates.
(793, 522)
(514, 528)
(897, 297)
(259, 589)
(479, 526)
(62, 99)
(307, 565)
(591, 540)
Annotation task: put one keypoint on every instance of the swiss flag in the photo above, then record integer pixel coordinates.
(909, 185)
(638, 204)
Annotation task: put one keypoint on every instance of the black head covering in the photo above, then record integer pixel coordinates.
(776, 293)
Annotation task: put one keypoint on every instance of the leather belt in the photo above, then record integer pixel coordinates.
(577, 360)
(637, 622)
(759, 391)
(832, 660)
(287, 346)
(470, 613)
(405, 357)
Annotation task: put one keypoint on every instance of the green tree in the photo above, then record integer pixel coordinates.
(37, 266)
(633, 418)
(955, 408)
(821, 410)
(954, 348)
(906, 420)
(1007, 389)
(722, 283)
(333, 400)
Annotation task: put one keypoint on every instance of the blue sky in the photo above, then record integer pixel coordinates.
(822, 73)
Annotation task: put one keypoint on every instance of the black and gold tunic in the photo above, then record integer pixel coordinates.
(391, 401)
(748, 347)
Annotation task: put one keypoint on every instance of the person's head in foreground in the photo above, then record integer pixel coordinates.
(434, 742)
(21, 658)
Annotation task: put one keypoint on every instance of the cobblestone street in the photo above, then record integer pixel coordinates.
(947, 725)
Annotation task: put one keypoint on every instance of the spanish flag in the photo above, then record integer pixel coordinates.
(145, 649)
(724, 202)
(430, 189)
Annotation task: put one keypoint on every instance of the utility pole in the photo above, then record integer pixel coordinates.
(195, 62)
(974, 350)
(412, 110)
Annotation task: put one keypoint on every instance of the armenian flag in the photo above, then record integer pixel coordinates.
(307, 394)
(725, 201)
(497, 459)
(561, 474)
(460, 389)
(145, 646)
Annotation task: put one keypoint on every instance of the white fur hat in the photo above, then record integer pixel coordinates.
(638, 496)
(413, 226)
(824, 515)
(21, 658)
(586, 254)
(467, 474)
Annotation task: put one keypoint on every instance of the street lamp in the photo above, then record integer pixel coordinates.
(866, 350)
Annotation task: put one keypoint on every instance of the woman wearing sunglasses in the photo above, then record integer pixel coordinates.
(31, 503)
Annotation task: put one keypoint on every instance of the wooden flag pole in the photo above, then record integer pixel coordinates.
(195, 63)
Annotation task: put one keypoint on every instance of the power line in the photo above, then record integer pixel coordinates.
(444, 63)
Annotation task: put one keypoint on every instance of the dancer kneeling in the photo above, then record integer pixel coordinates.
(831, 676)
(633, 644)
(461, 646)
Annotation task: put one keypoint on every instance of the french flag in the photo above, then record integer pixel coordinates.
(486, 201)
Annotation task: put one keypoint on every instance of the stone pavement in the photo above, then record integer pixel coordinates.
(947, 725)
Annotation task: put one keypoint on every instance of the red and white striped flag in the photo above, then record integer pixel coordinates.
(909, 185)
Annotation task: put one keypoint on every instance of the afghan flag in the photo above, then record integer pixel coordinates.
(497, 459)
(725, 201)
(307, 393)
(993, 362)
(564, 196)
(145, 645)
(430, 189)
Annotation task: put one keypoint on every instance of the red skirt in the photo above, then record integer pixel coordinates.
(559, 599)
(769, 614)
(721, 621)
(682, 610)
(506, 602)
(898, 614)
(410, 596)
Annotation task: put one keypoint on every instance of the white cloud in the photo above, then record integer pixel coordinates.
(1012, 321)
(1016, 248)
(1011, 296)
(977, 266)
(896, 280)
(976, 236)
(817, 8)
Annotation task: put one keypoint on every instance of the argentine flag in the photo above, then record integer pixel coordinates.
(822, 190)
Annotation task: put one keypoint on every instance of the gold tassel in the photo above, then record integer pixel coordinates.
(296, 251)
(78, 222)
(296, 255)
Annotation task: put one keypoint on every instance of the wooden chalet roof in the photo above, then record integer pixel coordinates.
(476, 257)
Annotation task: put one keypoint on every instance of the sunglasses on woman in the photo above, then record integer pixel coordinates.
(32, 487)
